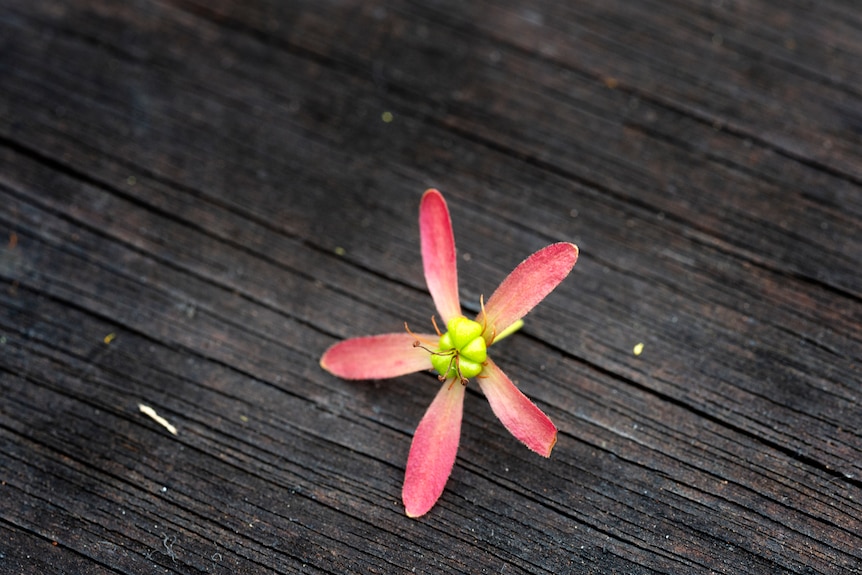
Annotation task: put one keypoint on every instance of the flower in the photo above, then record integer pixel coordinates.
(457, 355)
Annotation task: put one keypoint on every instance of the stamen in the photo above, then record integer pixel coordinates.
(463, 382)
(452, 361)
(407, 327)
(437, 329)
(445, 376)
(418, 339)
(460, 375)
(485, 319)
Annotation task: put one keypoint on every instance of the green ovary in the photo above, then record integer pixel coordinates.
(462, 350)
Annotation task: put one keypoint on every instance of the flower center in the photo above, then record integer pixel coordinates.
(461, 351)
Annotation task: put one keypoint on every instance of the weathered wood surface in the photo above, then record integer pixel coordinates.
(182, 177)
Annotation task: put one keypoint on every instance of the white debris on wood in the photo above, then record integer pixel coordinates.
(157, 418)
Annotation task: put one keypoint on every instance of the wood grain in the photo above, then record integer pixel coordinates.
(197, 198)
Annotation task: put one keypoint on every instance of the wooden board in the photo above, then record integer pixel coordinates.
(198, 198)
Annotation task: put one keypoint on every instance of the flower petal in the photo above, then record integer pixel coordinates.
(377, 356)
(438, 254)
(527, 285)
(433, 451)
(520, 415)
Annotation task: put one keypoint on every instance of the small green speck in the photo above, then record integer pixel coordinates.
(387, 117)
(340, 251)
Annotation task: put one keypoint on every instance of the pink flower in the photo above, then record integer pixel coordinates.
(457, 355)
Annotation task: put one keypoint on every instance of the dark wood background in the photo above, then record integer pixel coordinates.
(198, 197)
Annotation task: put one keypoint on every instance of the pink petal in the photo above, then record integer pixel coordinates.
(438, 254)
(378, 356)
(432, 454)
(520, 415)
(527, 285)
